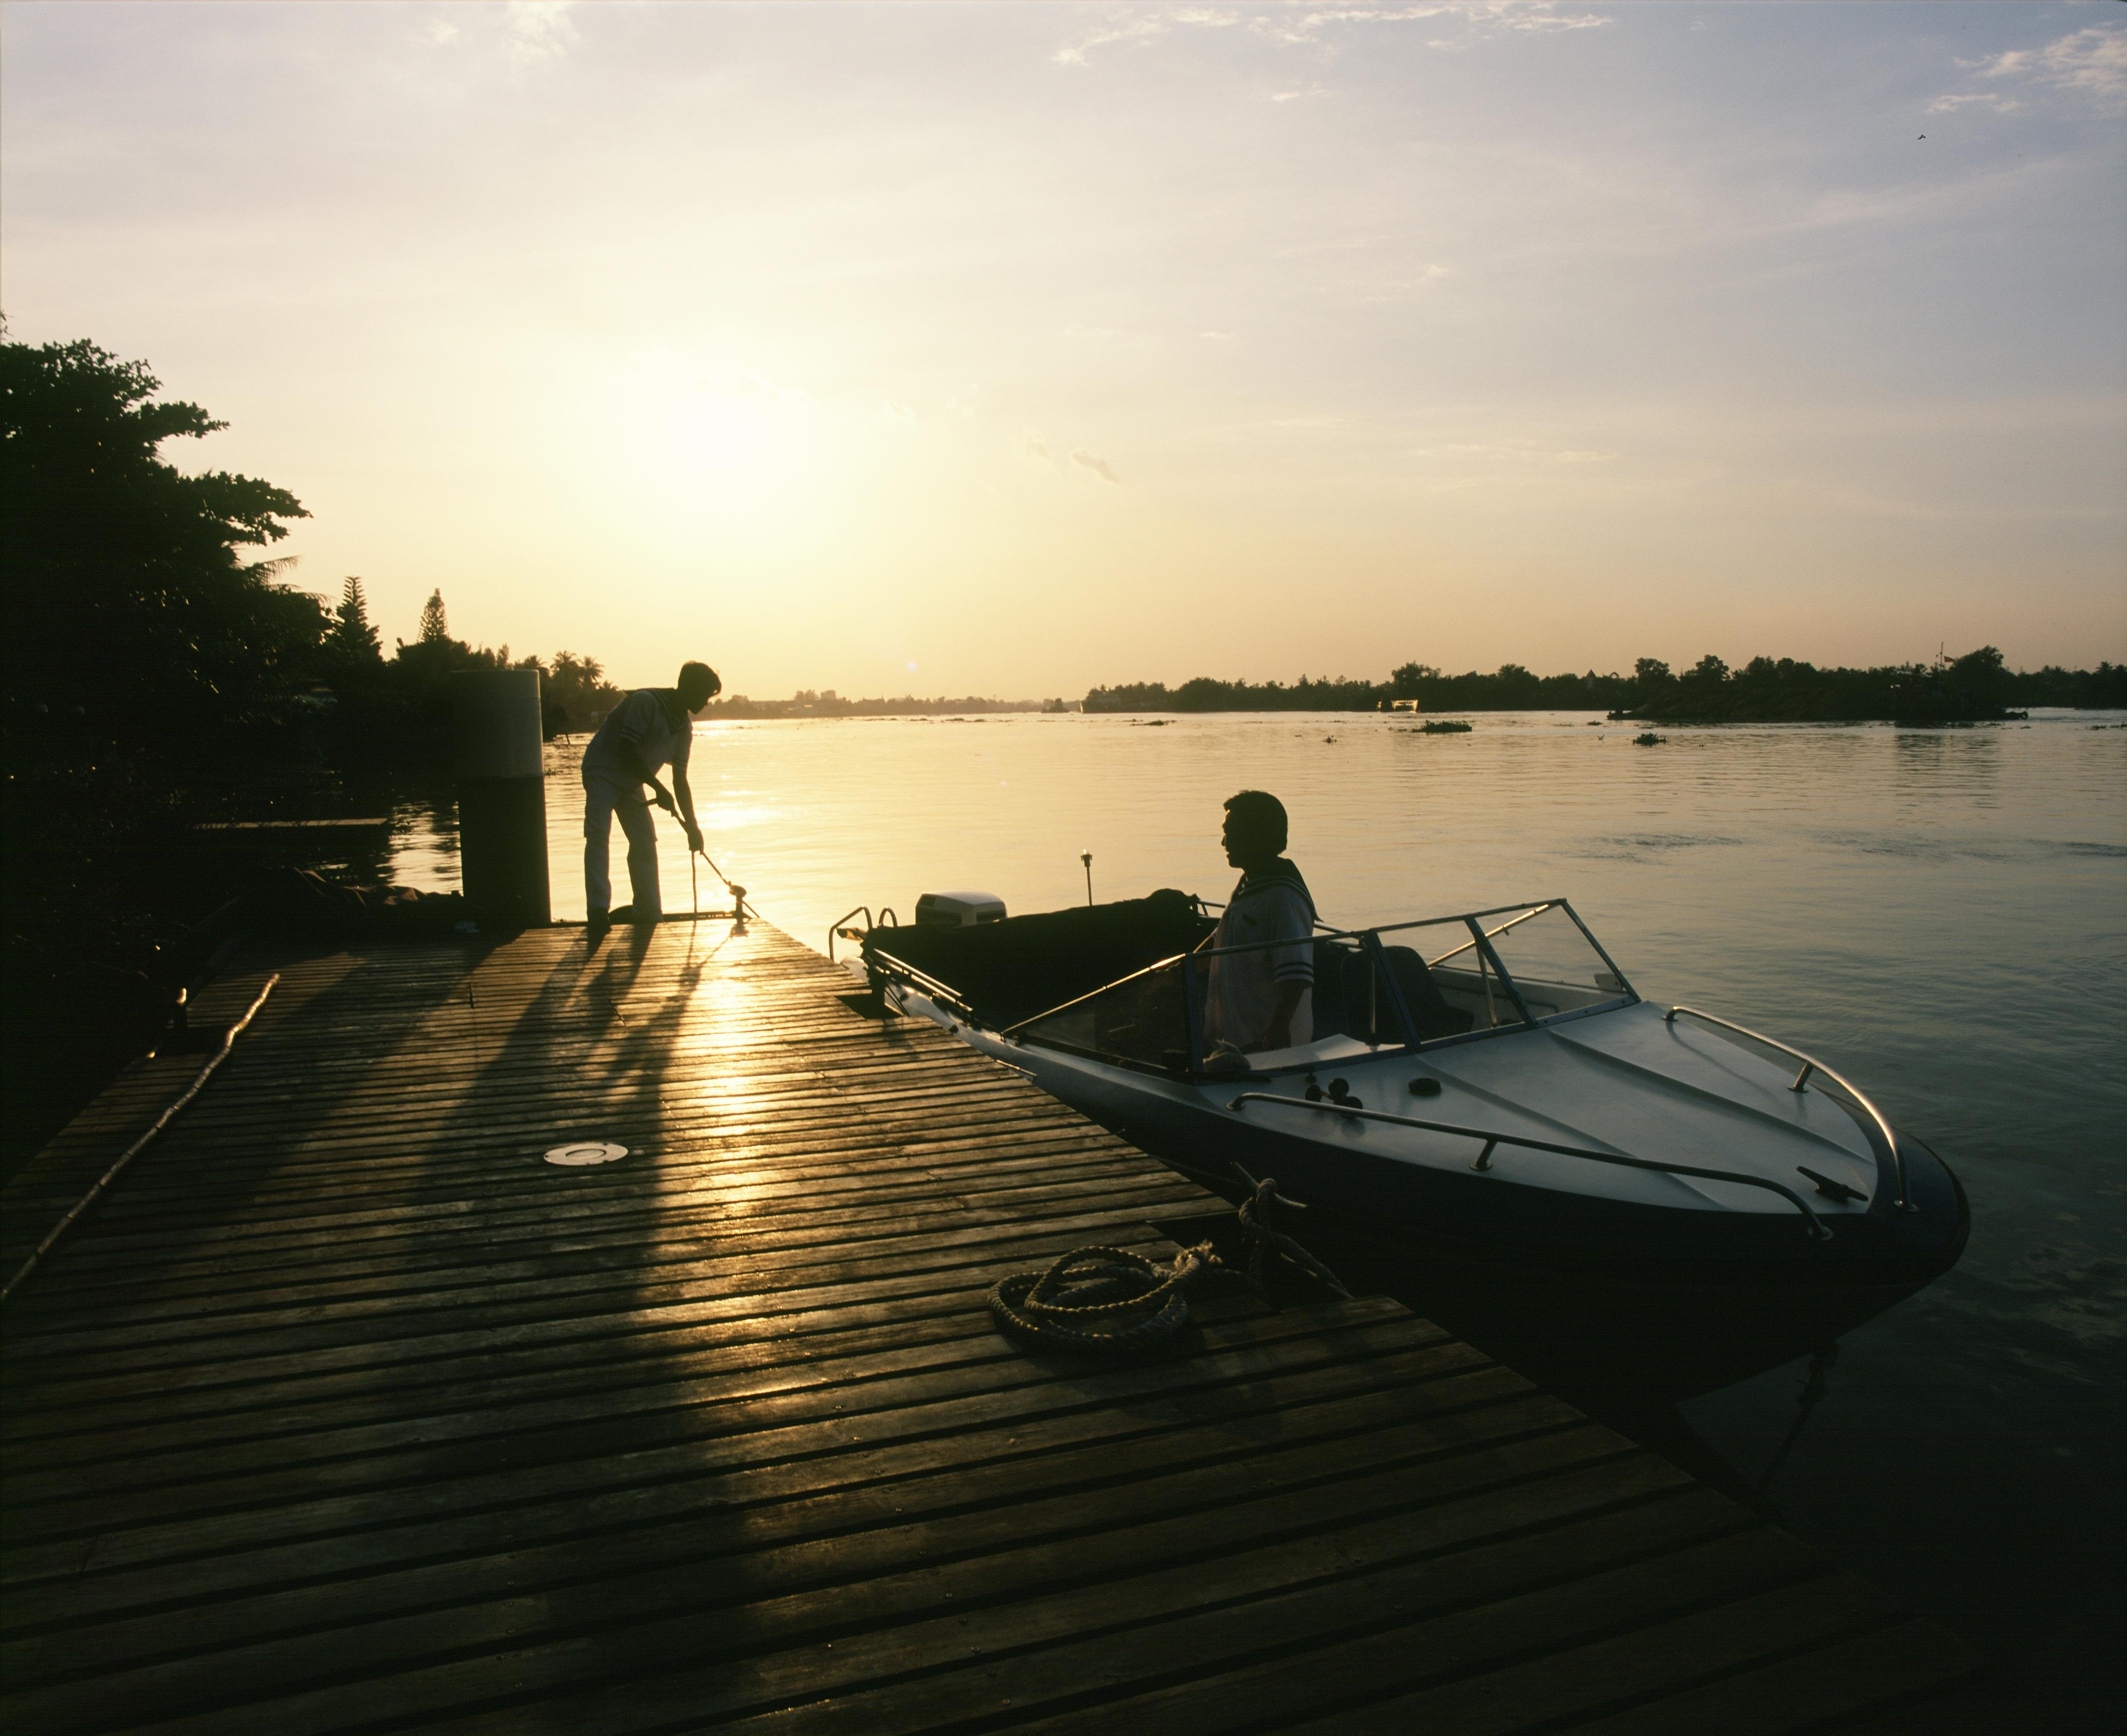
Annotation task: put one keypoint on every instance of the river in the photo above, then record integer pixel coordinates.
(1941, 913)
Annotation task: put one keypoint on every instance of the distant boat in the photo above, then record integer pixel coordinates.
(1484, 1102)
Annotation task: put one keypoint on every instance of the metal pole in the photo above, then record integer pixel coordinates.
(1088, 858)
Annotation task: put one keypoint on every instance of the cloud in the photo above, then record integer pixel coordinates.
(1290, 25)
(538, 31)
(2092, 61)
(1312, 90)
(1140, 27)
(1099, 466)
(1483, 18)
(1034, 447)
(437, 32)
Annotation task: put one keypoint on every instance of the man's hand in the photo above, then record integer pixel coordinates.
(694, 838)
(664, 798)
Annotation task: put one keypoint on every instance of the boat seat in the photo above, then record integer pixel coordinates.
(1345, 1005)
(1431, 1013)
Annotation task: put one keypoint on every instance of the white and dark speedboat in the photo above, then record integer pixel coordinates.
(1485, 1098)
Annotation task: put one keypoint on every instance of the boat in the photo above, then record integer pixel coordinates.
(1488, 1111)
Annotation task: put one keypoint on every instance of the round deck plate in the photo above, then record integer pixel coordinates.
(588, 1153)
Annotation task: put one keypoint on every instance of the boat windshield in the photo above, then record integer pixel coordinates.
(1413, 985)
(1536, 960)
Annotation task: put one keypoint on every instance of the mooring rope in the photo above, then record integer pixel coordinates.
(80, 1205)
(1254, 1213)
(1100, 1298)
(1118, 1302)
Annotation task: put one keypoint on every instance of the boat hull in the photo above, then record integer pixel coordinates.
(1591, 1296)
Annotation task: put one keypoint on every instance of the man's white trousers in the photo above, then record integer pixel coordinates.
(603, 799)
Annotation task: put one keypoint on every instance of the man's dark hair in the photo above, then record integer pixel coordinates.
(1258, 818)
(704, 676)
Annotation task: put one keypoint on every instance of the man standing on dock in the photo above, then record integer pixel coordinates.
(652, 727)
(1264, 998)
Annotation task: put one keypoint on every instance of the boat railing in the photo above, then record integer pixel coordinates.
(1482, 1163)
(1800, 1083)
(900, 970)
(887, 918)
(1076, 1000)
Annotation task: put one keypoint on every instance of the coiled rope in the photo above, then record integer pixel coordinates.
(1098, 1298)
(1117, 1302)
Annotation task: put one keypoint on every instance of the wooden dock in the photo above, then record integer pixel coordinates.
(344, 1411)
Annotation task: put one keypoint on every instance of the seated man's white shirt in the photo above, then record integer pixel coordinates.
(1273, 907)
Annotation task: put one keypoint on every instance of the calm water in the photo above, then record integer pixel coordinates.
(1941, 913)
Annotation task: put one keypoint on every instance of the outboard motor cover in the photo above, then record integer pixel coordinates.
(958, 909)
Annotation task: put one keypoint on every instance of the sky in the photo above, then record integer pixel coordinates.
(1011, 349)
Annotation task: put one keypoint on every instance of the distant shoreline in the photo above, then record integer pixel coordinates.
(1976, 688)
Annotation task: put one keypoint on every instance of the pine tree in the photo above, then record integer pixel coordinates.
(351, 640)
(435, 629)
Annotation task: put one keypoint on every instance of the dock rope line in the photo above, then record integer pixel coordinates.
(1100, 1298)
(737, 892)
(1118, 1302)
(81, 1205)
(1254, 1213)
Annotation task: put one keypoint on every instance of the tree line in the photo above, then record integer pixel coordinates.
(158, 671)
(1977, 687)
(150, 636)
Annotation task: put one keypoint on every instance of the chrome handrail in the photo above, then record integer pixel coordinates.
(885, 911)
(900, 971)
(1811, 1064)
(1483, 1162)
(836, 927)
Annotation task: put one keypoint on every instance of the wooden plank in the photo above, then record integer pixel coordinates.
(1800, 1691)
(347, 1411)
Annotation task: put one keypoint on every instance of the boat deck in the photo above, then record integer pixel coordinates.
(345, 1412)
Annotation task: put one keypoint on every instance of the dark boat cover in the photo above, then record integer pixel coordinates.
(1011, 969)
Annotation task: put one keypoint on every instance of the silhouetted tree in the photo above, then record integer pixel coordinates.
(435, 625)
(351, 641)
(578, 687)
(127, 593)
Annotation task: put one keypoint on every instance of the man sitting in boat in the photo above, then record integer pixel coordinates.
(1264, 998)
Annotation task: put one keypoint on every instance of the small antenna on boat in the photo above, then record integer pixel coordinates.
(1086, 858)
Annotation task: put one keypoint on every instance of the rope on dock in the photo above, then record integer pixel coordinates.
(1118, 1302)
(1254, 1213)
(1100, 1298)
(80, 1205)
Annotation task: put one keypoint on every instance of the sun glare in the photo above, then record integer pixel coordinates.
(684, 434)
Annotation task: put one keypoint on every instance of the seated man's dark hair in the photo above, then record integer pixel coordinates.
(1258, 817)
(703, 676)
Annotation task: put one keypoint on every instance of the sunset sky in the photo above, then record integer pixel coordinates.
(1013, 348)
